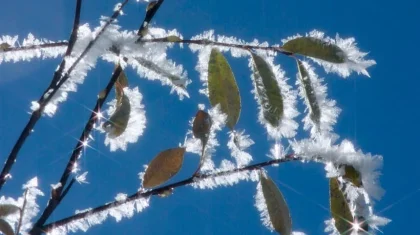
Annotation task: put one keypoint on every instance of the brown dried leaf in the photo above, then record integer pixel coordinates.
(201, 126)
(163, 167)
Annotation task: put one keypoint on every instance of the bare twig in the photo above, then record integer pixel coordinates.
(55, 201)
(57, 81)
(160, 190)
(150, 13)
(22, 211)
(213, 43)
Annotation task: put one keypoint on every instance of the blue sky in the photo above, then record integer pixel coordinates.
(379, 114)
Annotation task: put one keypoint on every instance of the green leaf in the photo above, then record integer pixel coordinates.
(352, 175)
(278, 210)
(163, 167)
(314, 47)
(8, 209)
(340, 210)
(223, 89)
(6, 228)
(268, 91)
(312, 102)
(118, 121)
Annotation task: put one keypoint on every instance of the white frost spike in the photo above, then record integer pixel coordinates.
(328, 108)
(277, 151)
(354, 61)
(125, 210)
(238, 143)
(81, 179)
(136, 122)
(27, 55)
(262, 208)
(225, 180)
(288, 126)
(344, 153)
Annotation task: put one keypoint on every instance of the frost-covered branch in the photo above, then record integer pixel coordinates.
(58, 80)
(160, 191)
(58, 193)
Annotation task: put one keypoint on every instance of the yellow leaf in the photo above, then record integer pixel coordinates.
(223, 89)
(163, 167)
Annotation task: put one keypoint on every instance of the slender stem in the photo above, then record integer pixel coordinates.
(57, 81)
(22, 212)
(55, 201)
(213, 43)
(33, 47)
(160, 190)
(150, 13)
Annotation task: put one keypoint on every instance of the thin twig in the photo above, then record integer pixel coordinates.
(214, 43)
(150, 13)
(160, 190)
(22, 211)
(57, 81)
(55, 201)
(34, 47)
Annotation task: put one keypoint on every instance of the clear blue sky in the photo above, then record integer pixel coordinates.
(380, 114)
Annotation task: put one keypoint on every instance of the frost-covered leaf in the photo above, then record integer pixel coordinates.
(314, 47)
(223, 89)
(118, 122)
(352, 175)
(201, 126)
(136, 122)
(310, 95)
(6, 228)
(165, 165)
(268, 91)
(7, 209)
(340, 210)
(344, 51)
(176, 80)
(278, 210)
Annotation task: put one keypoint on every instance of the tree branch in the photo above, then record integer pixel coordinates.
(57, 81)
(213, 43)
(160, 190)
(54, 201)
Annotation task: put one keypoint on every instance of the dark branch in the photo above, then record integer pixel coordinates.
(213, 43)
(150, 13)
(160, 190)
(55, 201)
(33, 47)
(57, 81)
